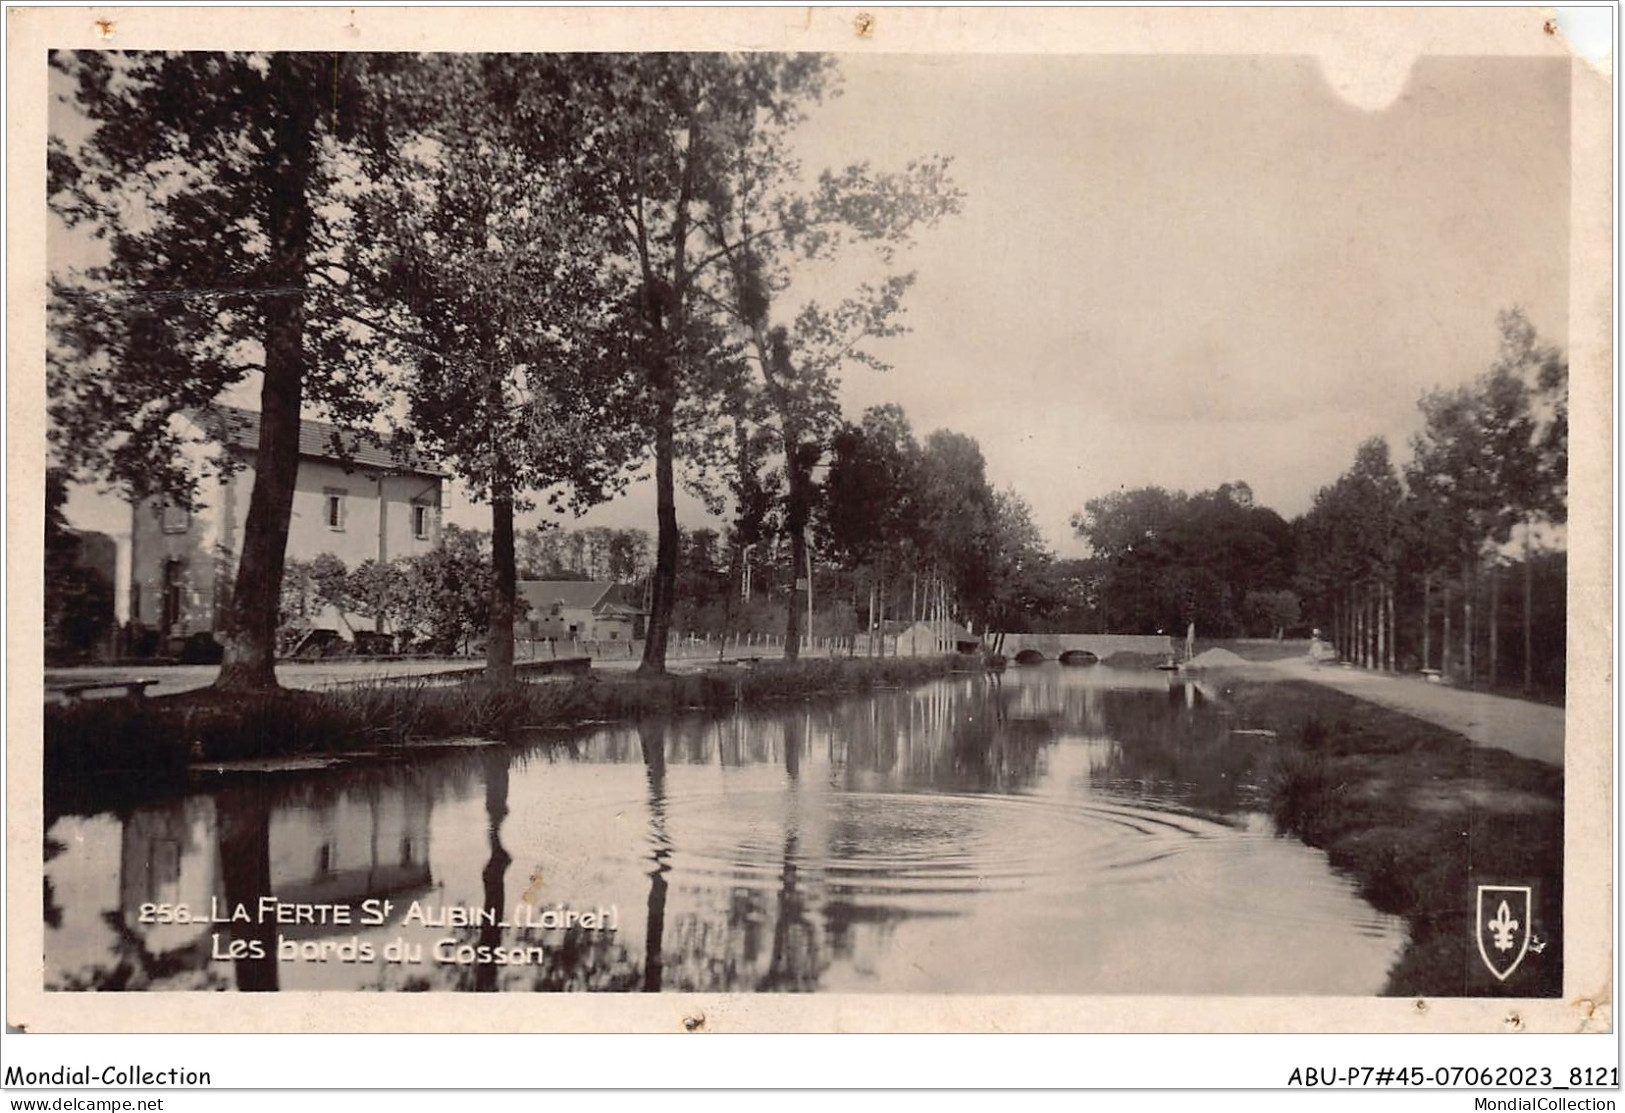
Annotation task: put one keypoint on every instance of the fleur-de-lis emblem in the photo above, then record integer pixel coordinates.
(1504, 919)
(1503, 927)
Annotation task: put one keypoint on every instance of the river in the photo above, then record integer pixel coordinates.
(1059, 830)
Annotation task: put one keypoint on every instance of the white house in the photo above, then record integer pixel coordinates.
(352, 498)
(580, 610)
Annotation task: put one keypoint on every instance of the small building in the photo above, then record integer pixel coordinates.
(922, 639)
(580, 610)
(354, 499)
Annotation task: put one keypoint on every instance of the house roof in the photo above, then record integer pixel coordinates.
(319, 440)
(603, 597)
(616, 607)
(577, 595)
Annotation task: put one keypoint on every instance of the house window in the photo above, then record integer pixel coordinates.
(333, 507)
(176, 519)
(170, 617)
(420, 522)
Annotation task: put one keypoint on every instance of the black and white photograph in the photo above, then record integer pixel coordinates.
(798, 516)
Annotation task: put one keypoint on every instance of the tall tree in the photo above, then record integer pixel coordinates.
(661, 137)
(485, 263)
(695, 150)
(1021, 587)
(872, 496)
(769, 229)
(1542, 491)
(1171, 559)
(214, 183)
(956, 515)
(1482, 460)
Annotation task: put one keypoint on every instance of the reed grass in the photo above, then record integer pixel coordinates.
(1417, 816)
(139, 748)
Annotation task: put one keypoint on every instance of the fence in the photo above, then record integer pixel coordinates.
(685, 646)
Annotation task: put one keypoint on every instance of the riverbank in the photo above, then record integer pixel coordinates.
(100, 753)
(1419, 817)
(1523, 727)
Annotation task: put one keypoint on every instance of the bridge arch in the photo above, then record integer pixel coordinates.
(1051, 647)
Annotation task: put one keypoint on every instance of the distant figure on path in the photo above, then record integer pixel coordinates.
(1190, 641)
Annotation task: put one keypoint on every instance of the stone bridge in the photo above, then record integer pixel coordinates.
(1049, 647)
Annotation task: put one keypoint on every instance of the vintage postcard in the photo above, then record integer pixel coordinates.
(797, 520)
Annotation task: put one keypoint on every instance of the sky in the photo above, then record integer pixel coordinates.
(1187, 270)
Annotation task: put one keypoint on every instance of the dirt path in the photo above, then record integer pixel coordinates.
(1531, 730)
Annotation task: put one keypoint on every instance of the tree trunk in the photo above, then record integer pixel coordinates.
(244, 835)
(1468, 586)
(1444, 641)
(652, 738)
(1393, 631)
(1372, 632)
(736, 559)
(1362, 655)
(1528, 611)
(1495, 622)
(248, 636)
(730, 597)
(881, 612)
(797, 510)
(1362, 629)
(1427, 620)
(497, 860)
(665, 572)
(499, 633)
(869, 632)
(1384, 633)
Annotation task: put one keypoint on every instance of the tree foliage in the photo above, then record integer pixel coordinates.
(1168, 559)
(214, 185)
(482, 268)
(78, 598)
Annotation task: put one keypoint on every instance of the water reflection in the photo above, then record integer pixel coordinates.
(1084, 831)
(652, 737)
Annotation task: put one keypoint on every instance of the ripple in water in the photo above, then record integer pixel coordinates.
(1048, 835)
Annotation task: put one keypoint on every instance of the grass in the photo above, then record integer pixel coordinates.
(1418, 817)
(101, 753)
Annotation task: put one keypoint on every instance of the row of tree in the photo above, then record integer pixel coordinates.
(1397, 566)
(555, 269)
(895, 528)
(1388, 557)
(593, 553)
